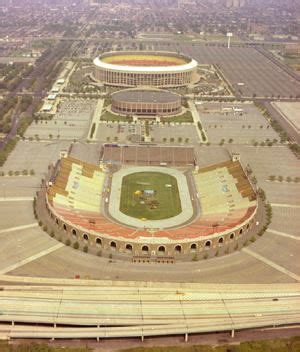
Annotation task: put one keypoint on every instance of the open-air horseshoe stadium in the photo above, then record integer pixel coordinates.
(151, 212)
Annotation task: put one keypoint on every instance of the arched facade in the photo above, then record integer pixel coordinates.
(135, 249)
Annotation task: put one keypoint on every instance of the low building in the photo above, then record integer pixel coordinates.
(146, 102)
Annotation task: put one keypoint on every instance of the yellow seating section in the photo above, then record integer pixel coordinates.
(127, 58)
(78, 186)
(223, 189)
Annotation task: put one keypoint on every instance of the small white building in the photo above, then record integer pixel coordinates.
(47, 107)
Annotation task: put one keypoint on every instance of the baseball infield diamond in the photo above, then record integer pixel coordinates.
(161, 202)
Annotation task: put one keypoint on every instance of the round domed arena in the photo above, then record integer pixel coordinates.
(146, 102)
(145, 68)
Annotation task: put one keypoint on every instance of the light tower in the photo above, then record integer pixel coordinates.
(229, 35)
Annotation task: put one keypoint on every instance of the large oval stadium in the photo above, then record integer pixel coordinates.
(144, 68)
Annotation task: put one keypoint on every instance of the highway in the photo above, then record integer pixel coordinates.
(99, 309)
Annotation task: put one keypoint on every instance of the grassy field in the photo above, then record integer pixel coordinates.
(109, 116)
(185, 117)
(165, 203)
(279, 345)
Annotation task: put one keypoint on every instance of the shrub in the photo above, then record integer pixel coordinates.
(68, 242)
(45, 228)
(205, 256)
(17, 173)
(76, 245)
(40, 223)
(195, 257)
(99, 253)
(93, 130)
(25, 172)
(52, 234)
(86, 248)
(262, 194)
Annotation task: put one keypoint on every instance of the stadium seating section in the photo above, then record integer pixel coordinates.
(143, 60)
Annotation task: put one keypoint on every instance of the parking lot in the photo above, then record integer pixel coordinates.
(121, 133)
(158, 133)
(240, 123)
(72, 121)
(258, 74)
(34, 156)
(174, 134)
(267, 161)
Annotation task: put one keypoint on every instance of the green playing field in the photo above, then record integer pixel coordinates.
(150, 196)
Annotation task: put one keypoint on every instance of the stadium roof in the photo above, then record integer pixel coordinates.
(146, 96)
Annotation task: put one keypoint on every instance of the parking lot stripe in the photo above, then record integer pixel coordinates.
(272, 264)
(284, 234)
(18, 228)
(31, 258)
(15, 199)
(285, 205)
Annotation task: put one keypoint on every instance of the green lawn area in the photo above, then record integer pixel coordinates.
(109, 116)
(164, 203)
(278, 345)
(185, 117)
